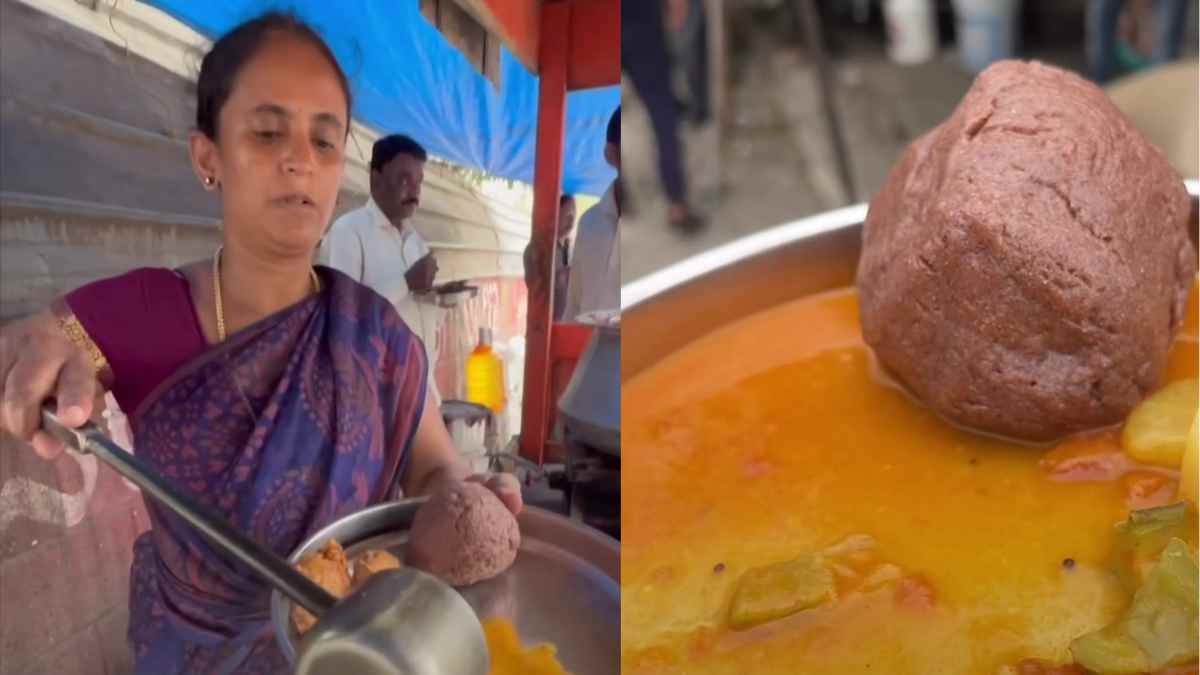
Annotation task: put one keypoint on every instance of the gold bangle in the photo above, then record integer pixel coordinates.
(78, 335)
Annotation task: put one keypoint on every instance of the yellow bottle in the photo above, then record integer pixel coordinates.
(485, 374)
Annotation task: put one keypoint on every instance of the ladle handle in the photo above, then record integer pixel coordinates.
(90, 439)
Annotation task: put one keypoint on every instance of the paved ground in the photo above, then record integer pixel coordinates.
(775, 162)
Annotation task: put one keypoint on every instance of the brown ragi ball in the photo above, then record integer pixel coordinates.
(1027, 263)
(463, 534)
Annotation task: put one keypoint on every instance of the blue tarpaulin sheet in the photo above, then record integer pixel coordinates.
(406, 78)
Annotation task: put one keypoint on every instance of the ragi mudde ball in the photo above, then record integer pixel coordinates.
(1026, 265)
(463, 534)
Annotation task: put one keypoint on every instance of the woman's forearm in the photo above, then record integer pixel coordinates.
(453, 471)
(434, 458)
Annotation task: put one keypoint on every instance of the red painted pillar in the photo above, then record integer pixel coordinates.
(547, 183)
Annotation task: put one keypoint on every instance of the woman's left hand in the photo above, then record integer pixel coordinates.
(435, 459)
(505, 486)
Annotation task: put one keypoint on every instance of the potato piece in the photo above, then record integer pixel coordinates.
(375, 560)
(1156, 431)
(328, 568)
(1189, 471)
(775, 591)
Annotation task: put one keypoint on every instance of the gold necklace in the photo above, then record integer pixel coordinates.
(217, 291)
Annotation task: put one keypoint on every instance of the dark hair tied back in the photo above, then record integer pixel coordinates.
(224, 61)
(386, 149)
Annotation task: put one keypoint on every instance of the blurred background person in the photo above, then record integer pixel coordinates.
(595, 283)
(811, 102)
(688, 38)
(646, 61)
(562, 257)
(1127, 35)
(376, 244)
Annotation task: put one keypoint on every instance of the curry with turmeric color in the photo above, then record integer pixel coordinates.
(788, 511)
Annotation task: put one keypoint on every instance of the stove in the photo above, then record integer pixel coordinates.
(585, 487)
(592, 485)
(589, 416)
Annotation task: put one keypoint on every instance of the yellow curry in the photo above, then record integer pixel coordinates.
(939, 550)
(510, 658)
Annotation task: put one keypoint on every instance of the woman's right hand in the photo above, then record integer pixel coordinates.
(39, 362)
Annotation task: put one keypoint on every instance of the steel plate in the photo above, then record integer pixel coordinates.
(563, 588)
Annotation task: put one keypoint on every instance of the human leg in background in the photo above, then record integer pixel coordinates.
(690, 50)
(1102, 18)
(1171, 16)
(644, 58)
(697, 63)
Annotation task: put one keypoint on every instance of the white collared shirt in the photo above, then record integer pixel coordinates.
(366, 246)
(595, 280)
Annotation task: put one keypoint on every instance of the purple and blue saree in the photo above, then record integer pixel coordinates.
(290, 423)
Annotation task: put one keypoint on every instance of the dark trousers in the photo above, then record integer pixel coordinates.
(1102, 19)
(690, 51)
(644, 59)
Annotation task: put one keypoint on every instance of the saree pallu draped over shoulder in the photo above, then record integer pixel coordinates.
(289, 424)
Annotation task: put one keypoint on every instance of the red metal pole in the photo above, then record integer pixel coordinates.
(547, 182)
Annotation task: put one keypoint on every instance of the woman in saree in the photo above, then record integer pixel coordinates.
(282, 395)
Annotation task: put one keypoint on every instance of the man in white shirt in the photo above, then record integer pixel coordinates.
(377, 246)
(595, 281)
(534, 270)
